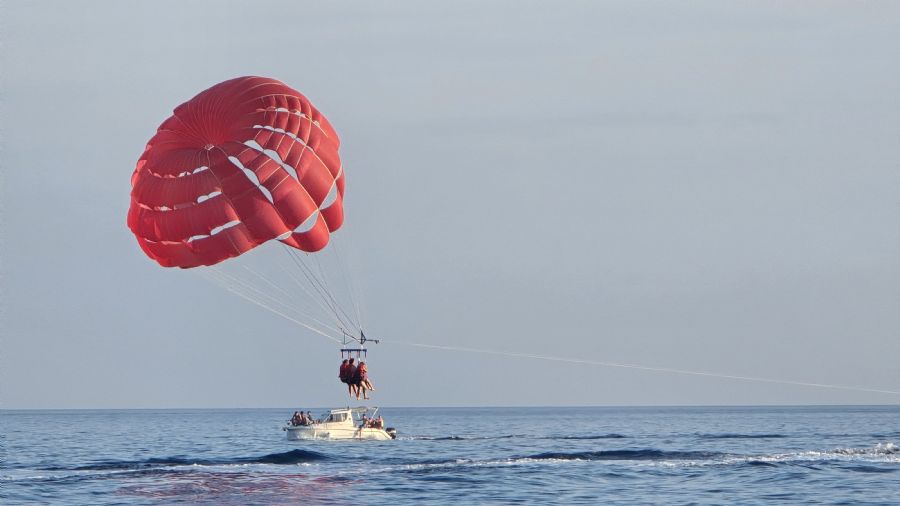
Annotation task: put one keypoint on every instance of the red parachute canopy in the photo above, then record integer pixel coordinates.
(244, 162)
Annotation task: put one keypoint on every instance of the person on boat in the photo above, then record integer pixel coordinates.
(362, 381)
(352, 388)
(379, 422)
(296, 419)
(303, 419)
(309, 418)
(365, 422)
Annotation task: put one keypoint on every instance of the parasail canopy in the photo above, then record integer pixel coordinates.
(244, 162)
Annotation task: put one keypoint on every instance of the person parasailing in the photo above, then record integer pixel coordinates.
(352, 388)
(356, 376)
(343, 372)
(362, 381)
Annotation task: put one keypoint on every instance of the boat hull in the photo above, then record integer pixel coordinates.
(334, 431)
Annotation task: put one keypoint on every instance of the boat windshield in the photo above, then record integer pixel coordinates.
(337, 417)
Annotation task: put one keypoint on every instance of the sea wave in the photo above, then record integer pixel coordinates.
(284, 458)
(586, 438)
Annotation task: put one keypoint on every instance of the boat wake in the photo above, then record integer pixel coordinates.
(878, 449)
(458, 438)
(648, 454)
(869, 460)
(511, 436)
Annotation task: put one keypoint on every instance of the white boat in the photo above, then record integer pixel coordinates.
(341, 423)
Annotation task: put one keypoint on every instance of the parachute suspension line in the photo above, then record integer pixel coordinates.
(286, 294)
(312, 296)
(234, 283)
(265, 306)
(235, 287)
(649, 368)
(351, 289)
(322, 298)
(267, 281)
(311, 281)
(319, 287)
(330, 293)
(258, 297)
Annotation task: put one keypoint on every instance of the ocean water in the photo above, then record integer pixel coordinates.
(704, 455)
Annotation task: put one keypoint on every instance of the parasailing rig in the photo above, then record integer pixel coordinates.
(359, 352)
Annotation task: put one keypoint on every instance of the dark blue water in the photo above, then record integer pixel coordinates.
(790, 455)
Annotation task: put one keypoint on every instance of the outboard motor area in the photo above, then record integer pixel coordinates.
(391, 432)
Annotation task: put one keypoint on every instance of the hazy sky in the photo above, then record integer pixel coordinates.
(710, 186)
